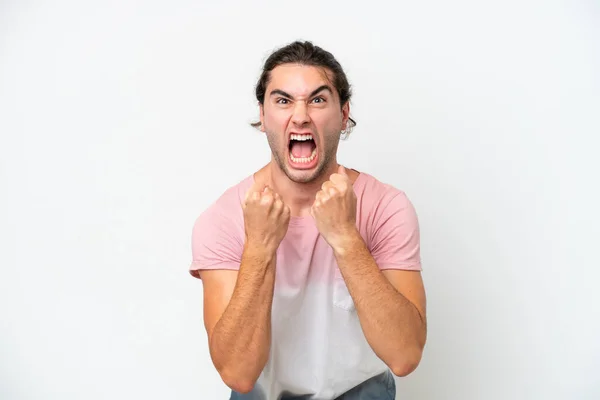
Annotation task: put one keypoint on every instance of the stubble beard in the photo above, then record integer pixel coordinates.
(279, 153)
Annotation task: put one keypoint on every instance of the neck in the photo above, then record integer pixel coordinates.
(298, 196)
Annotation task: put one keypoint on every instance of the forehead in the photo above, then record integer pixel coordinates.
(299, 80)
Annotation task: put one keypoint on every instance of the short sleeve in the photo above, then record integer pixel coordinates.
(217, 241)
(395, 242)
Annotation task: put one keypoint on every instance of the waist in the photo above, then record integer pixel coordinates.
(379, 387)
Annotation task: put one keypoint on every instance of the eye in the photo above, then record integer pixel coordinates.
(318, 100)
(281, 100)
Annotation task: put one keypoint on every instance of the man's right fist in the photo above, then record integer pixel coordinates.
(266, 218)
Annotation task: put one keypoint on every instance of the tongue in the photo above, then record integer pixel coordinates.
(302, 149)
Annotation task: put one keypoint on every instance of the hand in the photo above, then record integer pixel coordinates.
(334, 210)
(266, 219)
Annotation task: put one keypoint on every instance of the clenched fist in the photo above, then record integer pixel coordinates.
(266, 218)
(334, 209)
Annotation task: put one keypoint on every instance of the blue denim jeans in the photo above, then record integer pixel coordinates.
(380, 387)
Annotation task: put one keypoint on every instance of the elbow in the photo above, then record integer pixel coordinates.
(237, 383)
(239, 375)
(406, 364)
(404, 369)
(236, 374)
(241, 387)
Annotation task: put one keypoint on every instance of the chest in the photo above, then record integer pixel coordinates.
(304, 258)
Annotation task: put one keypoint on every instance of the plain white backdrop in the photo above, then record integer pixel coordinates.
(121, 121)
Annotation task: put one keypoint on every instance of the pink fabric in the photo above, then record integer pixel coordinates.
(318, 344)
(386, 220)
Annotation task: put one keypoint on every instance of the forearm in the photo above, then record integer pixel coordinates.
(392, 325)
(240, 341)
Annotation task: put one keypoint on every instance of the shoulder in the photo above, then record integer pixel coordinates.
(233, 196)
(382, 206)
(227, 208)
(218, 232)
(377, 194)
(391, 224)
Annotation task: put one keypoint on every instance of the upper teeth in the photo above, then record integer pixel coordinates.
(301, 137)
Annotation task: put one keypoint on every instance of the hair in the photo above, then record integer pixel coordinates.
(305, 53)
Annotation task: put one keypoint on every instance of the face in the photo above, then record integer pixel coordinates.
(302, 118)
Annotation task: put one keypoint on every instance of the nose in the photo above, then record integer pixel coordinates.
(300, 115)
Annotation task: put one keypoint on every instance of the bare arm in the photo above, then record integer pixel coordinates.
(237, 317)
(390, 306)
(237, 305)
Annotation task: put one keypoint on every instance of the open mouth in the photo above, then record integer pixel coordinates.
(303, 148)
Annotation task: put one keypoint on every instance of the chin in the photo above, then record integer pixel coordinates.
(301, 178)
(303, 175)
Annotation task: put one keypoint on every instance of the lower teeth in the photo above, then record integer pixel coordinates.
(304, 159)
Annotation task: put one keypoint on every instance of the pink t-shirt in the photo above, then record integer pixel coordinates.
(318, 346)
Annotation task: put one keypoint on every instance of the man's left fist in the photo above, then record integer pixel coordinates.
(334, 209)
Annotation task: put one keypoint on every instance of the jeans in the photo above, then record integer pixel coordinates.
(380, 387)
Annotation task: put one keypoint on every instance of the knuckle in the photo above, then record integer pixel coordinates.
(266, 199)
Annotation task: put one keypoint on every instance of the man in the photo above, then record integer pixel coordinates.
(311, 271)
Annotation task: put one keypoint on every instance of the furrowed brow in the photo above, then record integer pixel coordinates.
(320, 89)
(281, 93)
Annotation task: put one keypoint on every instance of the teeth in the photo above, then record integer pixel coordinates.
(304, 159)
(301, 137)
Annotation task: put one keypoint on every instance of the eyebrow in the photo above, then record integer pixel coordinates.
(289, 96)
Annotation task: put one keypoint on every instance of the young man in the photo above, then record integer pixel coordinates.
(311, 271)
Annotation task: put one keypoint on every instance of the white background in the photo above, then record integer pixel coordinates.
(121, 121)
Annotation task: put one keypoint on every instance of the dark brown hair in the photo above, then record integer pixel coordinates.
(305, 53)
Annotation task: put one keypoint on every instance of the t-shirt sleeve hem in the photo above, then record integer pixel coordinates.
(197, 266)
(404, 267)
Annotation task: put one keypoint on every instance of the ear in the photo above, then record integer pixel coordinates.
(345, 115)
(262, 117)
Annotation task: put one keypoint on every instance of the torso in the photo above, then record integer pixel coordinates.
(318, 347)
